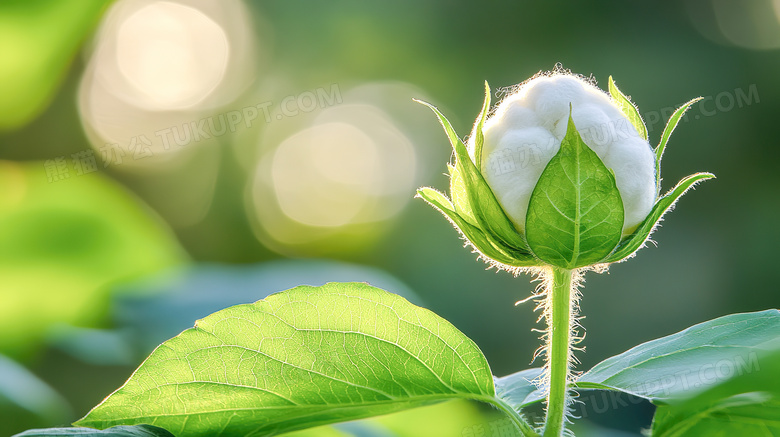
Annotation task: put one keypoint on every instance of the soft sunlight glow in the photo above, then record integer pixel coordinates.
(173, 55)
(750, 24)
(157, 70)
(327, 174)
(350, 167)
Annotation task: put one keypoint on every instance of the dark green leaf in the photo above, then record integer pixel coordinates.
(690, 361)
(659, 151)
(628, 108)
(747, 403)
(637, 239)
(575, 215)
(750, 414)
(518, 389)
(117, 431)
(301, 358)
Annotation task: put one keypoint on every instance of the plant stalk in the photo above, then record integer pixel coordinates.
(559, 331)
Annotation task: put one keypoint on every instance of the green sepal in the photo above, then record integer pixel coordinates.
(628, 108)
(575, 214)
(637, 239)
(487, 211)
(473, 234)
(479, 136)
(460, 199)
(670, 126)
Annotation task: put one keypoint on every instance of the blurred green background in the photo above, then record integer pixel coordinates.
(162, 160)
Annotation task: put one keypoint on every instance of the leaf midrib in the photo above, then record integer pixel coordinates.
(578, 206)
(330, 407)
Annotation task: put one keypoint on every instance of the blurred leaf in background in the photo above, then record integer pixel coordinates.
(38, 41)
(20, 389)
(62, 244)
(157, 307)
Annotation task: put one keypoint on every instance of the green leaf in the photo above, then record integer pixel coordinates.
(301, 358)
(447, 419)
(682, 364)
(746, 403)
(670, 126)
(637, 239)
(479, 136)
(474, 235)
(117, 431)
(628, 108)
(575, 215)
(518, 389)
(329, 431)
(488, 212)
(751, 414)
(39, 40)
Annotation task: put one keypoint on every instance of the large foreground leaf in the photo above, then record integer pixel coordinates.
(304, 357)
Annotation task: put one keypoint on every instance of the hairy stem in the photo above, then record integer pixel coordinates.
(560, 309)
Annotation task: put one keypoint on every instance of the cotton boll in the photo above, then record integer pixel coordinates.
(633, 162)
(511, 115)
(621, 126)
(512, 164)
(596, 96)
(515, 113)
(551, 97)
(593, 125)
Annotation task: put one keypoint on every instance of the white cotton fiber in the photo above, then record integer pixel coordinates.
(526, 131)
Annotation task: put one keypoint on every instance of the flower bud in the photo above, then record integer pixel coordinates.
(526, 132)
(561, 174)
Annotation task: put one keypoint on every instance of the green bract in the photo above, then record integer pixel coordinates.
(575, 212)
